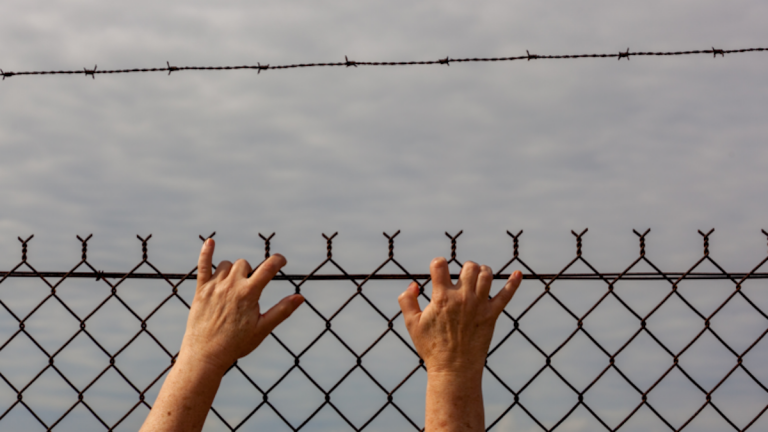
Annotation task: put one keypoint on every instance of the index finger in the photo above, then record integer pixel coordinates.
(265, 272)
(205, 261)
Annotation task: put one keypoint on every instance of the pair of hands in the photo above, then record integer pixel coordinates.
(452, 334)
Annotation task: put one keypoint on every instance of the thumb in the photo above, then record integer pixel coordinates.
(409, 304)
(279, 312)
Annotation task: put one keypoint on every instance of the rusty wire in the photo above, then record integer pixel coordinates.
(347, 62)
(83, 269)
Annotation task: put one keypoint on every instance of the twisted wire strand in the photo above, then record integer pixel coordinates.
(353, 63)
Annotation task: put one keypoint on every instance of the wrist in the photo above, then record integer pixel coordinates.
(191, 359)
(459, 370)
(463, 378)
(454, 401)
(186, 395)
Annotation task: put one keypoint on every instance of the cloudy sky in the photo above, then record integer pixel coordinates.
(674, 144)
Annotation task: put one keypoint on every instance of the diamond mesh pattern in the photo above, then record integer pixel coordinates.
(578, 349)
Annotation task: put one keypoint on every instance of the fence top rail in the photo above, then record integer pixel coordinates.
(412, 276)
(24, 270)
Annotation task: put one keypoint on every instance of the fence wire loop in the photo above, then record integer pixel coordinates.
(642, 240)
(267, 241)
(144, 246)
(453, 246)
(329, 244)
(766, 233)
(578, 240)
(516, 242)
(706, 240)
(24, 247)
(391, 243)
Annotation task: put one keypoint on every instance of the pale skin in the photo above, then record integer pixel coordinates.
(452, 335)
(225, 323)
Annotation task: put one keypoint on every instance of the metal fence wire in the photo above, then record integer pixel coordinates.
(353, 63)
(639, 349)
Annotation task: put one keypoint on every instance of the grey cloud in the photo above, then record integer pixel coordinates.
(671, 143)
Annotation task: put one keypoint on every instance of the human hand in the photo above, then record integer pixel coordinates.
(454, 332)
(225, 322)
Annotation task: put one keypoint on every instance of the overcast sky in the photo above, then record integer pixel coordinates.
(674, 144)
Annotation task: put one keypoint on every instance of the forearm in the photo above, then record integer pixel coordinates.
(454, 402)
(185, 398)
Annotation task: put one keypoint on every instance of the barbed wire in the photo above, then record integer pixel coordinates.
(347, 62)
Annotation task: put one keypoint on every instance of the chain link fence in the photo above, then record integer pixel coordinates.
(637, 349)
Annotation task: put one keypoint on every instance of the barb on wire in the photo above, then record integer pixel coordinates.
(171, 68)
(347, 62)
(624, 55)
(91, 72)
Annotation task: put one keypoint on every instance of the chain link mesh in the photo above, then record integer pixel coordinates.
(637, 348)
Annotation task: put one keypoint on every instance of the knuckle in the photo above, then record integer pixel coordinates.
(410, 322)
(204, 291)
(440, 301)
(464, 297)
